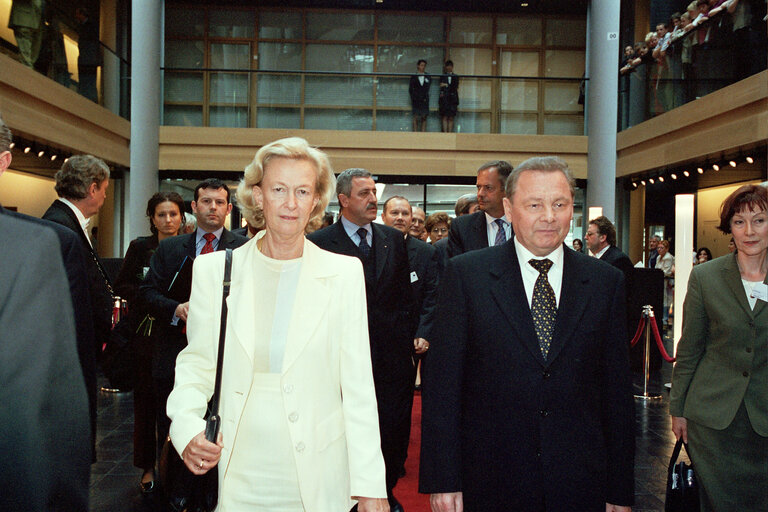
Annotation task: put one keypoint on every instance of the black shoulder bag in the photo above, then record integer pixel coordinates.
(682, 488)
(184, 490)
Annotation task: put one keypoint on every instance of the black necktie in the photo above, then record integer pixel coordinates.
(365, 249)
(543, 305)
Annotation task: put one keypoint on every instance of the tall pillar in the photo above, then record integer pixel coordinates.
(602, 103)
(146, 39)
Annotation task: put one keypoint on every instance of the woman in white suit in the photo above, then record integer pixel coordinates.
(299, 427)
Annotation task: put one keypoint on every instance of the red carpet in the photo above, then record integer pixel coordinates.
(407, 489)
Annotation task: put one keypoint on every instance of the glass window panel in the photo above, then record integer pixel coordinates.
(338, 90)
(562, 96)
(519, 63)
(338, 119)
(230, 56)
(280, 56)
(279, 25)
(278, 118)
(563, 125)
(230, 117)
(564, 64)
(474, 94)
(393, 92)
(519, 124)
(403, 59)
(566, 32)
(467, 30)
(393, 121)
(279, 89)
(183, 87)
(339, 26)
(417, 29)
(339, 57)
(235, 23)
(184, 54)
(229, 88)
(519, 30)
(519, 95)
(472, 61)
(182, 115)
(473, 122)
(182, 21)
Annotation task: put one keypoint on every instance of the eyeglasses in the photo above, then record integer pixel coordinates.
(440, 231)
(591, 233)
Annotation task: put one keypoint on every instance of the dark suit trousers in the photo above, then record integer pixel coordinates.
(395, 400)
(144, 407)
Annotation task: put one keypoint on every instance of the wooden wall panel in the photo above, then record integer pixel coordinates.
(437, 154)
(35, 106)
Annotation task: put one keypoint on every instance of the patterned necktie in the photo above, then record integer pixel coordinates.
(501, 235)
(365, 249)
(208, 247)
(544, 305)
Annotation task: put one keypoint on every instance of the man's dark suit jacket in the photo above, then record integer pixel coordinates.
(74, 257)
(424, 261)
(44, 430)
(508, 428)
(390, 307)
(618, 259)
(468, 233)
(98, 282)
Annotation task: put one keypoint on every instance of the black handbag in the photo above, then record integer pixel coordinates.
(682, 488)
(185, 490)
(118, 358)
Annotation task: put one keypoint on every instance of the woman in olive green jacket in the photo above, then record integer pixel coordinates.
(719, 397)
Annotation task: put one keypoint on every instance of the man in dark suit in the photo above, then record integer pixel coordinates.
(385, 262)
(170, 305)
(545, 325)
(653, 252)
(44, 430)
(601, 242)
(482, 229)
(424, 262)
(74, 258)
(418, 89)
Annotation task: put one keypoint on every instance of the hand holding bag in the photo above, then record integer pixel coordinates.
(682, 488)
(184, 490)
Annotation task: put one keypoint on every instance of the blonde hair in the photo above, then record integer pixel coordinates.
(294, 148)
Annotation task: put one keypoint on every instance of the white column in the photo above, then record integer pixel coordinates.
(601, 106)
(683, 257)
(146, 44)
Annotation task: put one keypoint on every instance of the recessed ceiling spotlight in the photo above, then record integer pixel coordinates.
(27, 149)
(716, 167)
(686, 173)
(524, 4)
(40, 153)
(634, 184)
(700, 170)
(750, 160)
(732, 163)
(661, 179)
(650, 180)
(642, 182)
(54, 157)
(673, 176)
(13, 145)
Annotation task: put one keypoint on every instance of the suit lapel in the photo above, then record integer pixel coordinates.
(732, 277)
(508, 291)
(381, 247)
(480, 233)
(342, 242)
(75, 222)
(572, 303)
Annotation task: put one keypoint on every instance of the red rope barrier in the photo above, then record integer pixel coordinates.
(655, 329)
(638, 333)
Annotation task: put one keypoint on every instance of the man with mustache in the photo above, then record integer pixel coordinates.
(384, 256)
(489, 226)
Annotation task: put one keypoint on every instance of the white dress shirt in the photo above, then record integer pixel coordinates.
(530, 274)
(493, 228)
(200, 241)
(351, 229)
(600, 252)
(80, 218)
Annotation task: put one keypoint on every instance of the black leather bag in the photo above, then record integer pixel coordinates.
(118, 358)
(185, 490)
(682, 488)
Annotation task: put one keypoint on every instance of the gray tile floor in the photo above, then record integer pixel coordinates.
(114, 480)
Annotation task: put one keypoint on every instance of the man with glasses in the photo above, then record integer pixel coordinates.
(489, 226)
(601, 242)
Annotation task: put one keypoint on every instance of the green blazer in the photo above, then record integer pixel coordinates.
(25, 14)
(722, 357)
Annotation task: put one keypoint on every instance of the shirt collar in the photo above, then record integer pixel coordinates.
(600, 253)
(491, 220)
(351, 228)
(201, 232)
(79, 214)
(523, 254)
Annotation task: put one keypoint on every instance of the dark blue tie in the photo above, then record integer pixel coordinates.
(501, 235)
(365, 249)
(543, 305)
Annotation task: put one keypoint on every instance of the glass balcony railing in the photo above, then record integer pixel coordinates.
(366, 101)
(715, 53)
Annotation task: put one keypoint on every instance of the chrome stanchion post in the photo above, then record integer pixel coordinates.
(649, 317)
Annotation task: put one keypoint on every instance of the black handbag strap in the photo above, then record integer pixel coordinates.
(213, 408)
(676, 453)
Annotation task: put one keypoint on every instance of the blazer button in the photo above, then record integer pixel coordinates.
(746, 374)
(293, 417)
(544, 412)
(300, 447)
(545, 374)
(288, 388)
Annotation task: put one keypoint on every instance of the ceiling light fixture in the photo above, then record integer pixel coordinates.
(53, 157)
(661, 179)
(715, 167)
(642, 182)
(686, 173)
(13, 145)
(750, 160)
(732, 163)
(673, 176)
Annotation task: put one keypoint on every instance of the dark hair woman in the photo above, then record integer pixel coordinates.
(719, 396)
(166, 218)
